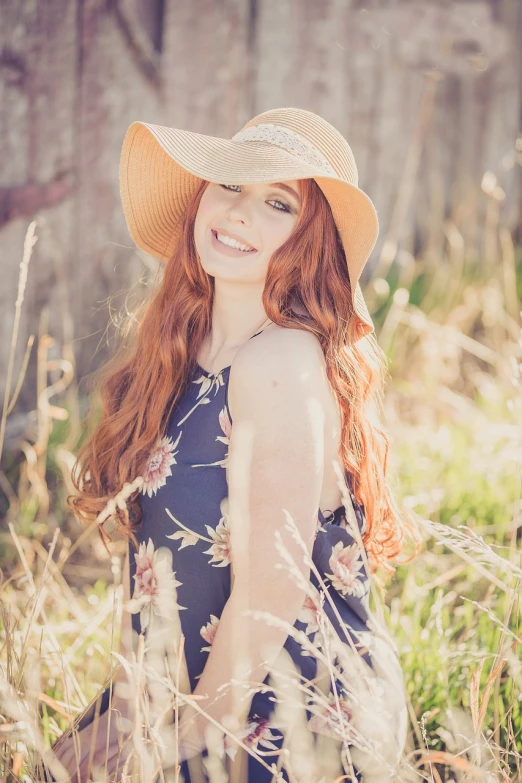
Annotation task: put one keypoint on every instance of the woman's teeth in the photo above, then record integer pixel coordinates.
(233, 243)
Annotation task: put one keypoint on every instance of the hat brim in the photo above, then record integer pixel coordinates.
(161, 167)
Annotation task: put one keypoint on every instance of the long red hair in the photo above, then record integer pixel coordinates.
(136, 391)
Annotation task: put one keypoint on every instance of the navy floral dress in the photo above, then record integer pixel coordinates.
(184, 501)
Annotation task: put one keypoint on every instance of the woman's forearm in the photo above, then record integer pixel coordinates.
(244, 649)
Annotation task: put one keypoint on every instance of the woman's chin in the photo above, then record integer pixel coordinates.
(233, 269)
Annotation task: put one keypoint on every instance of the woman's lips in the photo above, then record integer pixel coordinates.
(226, 249)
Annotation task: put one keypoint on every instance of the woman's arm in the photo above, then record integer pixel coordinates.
(275, 462)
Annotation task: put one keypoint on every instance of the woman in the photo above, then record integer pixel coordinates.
(237, 448)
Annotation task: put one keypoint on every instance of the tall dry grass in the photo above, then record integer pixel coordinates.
(451, 329)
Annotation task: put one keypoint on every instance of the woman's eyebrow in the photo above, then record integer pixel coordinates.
(287, 188)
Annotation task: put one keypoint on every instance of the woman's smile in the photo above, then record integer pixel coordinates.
(228, 249)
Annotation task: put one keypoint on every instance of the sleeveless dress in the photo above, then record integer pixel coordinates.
(186, 474)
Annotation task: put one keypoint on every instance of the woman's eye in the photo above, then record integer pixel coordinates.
(283, 208)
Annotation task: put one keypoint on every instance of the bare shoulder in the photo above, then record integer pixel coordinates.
(280, 350)
(290, 360)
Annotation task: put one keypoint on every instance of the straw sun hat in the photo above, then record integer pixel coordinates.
(160, 168)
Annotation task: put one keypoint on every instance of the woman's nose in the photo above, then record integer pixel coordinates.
(236, 217)
(238, 212)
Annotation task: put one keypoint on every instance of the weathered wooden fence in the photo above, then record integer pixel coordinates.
(427, 93)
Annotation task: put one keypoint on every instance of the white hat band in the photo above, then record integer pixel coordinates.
(288, 140)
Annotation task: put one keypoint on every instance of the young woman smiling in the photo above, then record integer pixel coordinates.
(241, 416)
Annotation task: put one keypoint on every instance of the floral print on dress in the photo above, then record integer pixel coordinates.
(220, 550)
(158, 466)
(208, 632)
(226, 428)
(309, 614)
(257, 734)
(334, 720)
(219, 538)
(155, 584)
(225, 424)
(346, 564)
(260, 733)
(208, 384)
(188, 538)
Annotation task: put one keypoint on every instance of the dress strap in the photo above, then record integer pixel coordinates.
(334, 517)
(261, 330)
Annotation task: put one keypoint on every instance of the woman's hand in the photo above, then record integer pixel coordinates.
(190, 734)
(83, 764)
(188, 749)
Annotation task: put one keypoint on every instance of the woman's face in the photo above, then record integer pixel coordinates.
(260, 216)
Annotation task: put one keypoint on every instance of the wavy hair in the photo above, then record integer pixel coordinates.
(136, 391)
